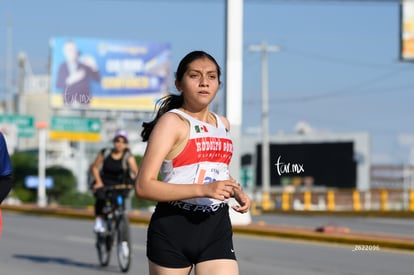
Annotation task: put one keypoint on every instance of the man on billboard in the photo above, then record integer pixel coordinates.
(75, 74)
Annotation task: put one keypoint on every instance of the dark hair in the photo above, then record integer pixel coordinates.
(173, 101)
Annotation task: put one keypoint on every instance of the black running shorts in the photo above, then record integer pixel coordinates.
(179, 238)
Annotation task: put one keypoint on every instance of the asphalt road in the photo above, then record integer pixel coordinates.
(40, 245)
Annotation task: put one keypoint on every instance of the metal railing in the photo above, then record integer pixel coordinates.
(337, 200)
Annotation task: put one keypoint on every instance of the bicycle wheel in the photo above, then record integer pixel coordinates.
(123, 244)
(103, 247)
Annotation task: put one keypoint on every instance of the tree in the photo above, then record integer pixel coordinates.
(64, 182)
(24, 164)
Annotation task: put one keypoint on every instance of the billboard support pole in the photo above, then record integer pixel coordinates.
(41, 188)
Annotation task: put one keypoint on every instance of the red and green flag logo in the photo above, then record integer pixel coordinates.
(200, 129)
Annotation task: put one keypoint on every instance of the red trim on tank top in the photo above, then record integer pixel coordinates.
(211, 149)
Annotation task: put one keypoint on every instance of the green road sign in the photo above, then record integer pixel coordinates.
(76, 124)
(75, 128)
(25, 124)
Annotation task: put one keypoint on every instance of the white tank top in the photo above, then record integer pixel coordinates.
(204, 159)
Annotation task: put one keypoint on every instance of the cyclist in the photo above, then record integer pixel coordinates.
(108, 169)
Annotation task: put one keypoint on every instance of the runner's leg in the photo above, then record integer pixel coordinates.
(155, 269)
(217, 267)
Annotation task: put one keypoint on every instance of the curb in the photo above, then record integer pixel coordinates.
(344, 213)
(361, 240)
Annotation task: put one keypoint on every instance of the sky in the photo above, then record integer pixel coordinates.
(338, 68)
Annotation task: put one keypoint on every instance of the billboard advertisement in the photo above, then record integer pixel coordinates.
(407, 30)
(108, 75)
(310, 164)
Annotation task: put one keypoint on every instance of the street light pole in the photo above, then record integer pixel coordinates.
(234, 73)
(264, 49)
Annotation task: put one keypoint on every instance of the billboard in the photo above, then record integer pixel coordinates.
(407, 30)
(310, 164)
(108, 75)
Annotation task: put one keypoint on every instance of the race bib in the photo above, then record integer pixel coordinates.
(207, 173)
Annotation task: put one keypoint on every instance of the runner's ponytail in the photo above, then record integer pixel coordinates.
(165, 104)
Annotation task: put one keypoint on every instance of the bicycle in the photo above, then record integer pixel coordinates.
(116, 227)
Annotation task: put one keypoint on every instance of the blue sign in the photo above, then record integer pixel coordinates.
(33, 182)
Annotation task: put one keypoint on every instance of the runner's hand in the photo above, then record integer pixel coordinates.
(222, 190)
(243, 200)
(97, 185)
